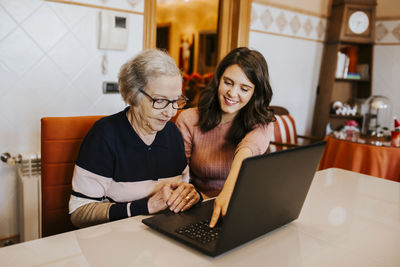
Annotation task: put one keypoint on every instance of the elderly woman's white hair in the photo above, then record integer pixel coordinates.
(137, 72)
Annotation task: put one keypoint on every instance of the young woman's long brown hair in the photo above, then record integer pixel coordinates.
(255, 112)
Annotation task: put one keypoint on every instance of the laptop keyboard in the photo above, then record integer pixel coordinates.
(200, 231)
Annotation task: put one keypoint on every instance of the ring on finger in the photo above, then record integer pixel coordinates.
(187, 197)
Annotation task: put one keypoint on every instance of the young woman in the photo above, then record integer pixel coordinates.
(231, 123)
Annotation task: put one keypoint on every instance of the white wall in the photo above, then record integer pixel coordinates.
(386, 71)
(50, 66)
(292, 44)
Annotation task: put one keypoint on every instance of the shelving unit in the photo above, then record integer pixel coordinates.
(341, 36)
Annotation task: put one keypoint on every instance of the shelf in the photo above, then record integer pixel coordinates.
(351, 80)
(345, 55)
(345, 117)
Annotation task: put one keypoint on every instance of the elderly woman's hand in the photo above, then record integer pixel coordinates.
(183, 197)
(158, 201)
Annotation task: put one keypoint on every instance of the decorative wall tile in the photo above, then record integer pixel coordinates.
(253, 16)
(61, 54)
(274, 20)
(396, 32)
(90, 87)
(387, 32)
(83, 30)
(18, 52)
(8, 78)
(45, 79)
(44, 27)
(295, 24)
(380, 31)
(308, 27)
(50, 66)
(7, 24)
(281, 21)
(266, 18)
(320, 29)
(20, 9)
(70, 14)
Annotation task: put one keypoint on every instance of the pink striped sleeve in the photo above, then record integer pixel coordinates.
(258, 139)
(185, 123)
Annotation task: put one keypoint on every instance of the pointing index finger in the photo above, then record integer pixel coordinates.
(215, 216)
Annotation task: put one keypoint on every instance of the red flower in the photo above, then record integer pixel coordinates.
(195, 76)
(351, 123)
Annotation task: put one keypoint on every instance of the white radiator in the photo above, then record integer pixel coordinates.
(29, 196)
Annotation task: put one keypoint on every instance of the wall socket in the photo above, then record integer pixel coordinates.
(110, 88)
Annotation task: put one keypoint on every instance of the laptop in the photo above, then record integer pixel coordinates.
(269, 193)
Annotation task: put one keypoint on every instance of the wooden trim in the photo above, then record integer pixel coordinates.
(244, 23)
(96, 6)
(224, 28)
(289, 36)
(9, 237)
(387, 18)
(149, 24)
(13, 238)
(289, 8)
(233, 25)
(387, 43)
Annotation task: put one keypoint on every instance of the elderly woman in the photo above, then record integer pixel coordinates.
(134, 162)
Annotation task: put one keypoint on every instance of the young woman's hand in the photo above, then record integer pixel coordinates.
(220, 206)
(222, 201)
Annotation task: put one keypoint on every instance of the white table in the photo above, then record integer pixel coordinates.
(348, 219)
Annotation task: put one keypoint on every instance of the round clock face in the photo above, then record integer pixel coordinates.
(358, 22)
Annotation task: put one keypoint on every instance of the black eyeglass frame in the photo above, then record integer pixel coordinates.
(167, 100)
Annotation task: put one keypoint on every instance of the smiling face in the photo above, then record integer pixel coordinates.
(234, 92)
(149, 119)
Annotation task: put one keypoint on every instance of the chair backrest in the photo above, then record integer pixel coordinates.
(284, 130)
(61, 138)
(284, 133)
(278, 110)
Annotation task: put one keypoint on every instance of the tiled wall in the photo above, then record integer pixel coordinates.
(386, 78)
(292, 44)
(50, 65)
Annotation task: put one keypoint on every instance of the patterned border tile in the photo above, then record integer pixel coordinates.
(387, 32)
(277, 21)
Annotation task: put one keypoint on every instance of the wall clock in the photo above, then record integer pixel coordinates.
(358, 22)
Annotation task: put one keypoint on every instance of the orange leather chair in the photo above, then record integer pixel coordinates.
(61, 138)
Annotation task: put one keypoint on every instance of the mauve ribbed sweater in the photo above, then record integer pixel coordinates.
(210, 156)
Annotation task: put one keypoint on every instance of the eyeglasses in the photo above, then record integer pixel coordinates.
(161, 103)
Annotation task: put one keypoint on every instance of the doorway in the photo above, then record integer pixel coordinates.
(233, 24)
(189, 21)
(162, 36)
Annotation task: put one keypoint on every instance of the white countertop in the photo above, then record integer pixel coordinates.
(348, 219)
